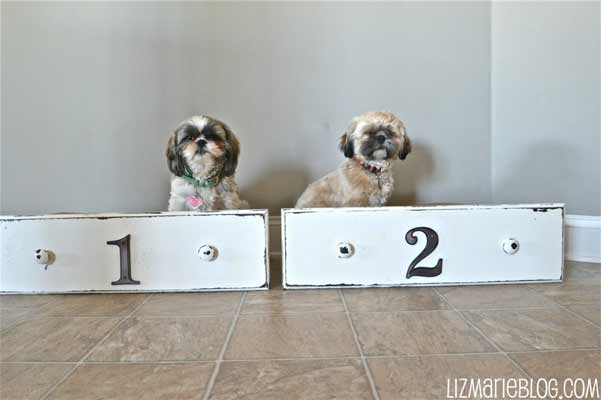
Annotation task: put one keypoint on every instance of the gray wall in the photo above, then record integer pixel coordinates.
(90, 92)
(546, 136)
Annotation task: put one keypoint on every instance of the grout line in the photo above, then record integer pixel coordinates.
(81, 361)
(551, 307)
(289, 312)
(61, 380)
(6, 328)
(565, 308)
(574, 313)
(370, 378)
(471, 324)
(142, 316)
(226, 343)
(588, 349)
(583, 318)
(207, 316)
(75, 317)
(397, 311)
(307, 359)
(359, 357)
(113, 362)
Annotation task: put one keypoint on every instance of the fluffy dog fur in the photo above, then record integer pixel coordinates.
(202, 155)
(371, 143)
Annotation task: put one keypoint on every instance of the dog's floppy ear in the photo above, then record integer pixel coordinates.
(232, 151)
(346, 146)
(406, 147)
(346, 141)
(175, 162)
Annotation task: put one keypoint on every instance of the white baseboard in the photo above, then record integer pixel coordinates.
(583, 238)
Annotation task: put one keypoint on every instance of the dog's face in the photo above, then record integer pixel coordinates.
(376, 136)
(203, 147)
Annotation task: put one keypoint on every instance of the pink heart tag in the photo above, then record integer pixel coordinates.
(195, 201)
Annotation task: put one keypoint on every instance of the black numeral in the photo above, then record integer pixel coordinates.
(431, 244)
(125, 262)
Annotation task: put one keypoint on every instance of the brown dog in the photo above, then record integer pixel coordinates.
(371, 143)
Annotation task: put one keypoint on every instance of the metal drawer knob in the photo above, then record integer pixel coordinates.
(511, 246)
(207, 253)
(345, 250)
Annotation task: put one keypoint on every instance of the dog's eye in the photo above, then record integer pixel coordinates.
(212, 137)
(188, 138)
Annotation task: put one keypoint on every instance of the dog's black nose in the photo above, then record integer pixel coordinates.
(201, 143)
(381, 138)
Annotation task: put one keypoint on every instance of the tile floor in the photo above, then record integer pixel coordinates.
(347, 344)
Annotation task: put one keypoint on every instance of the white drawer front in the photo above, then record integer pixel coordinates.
(473, 243)
(164, 252)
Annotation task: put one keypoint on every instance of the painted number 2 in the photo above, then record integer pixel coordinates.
(431, 244)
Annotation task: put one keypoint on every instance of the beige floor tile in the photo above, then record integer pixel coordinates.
(297, 379)
(53, 339)
(25, 300)
(568, 293)
(494, 296)
(164, 339)
(591, 312)
(393, 299)
(29, 381)
(581, 271)
(135, 381)
(291, 301)
(91, 305)
(421, 378)
(191, 304)
(11, 316)
(540, 329)
(427, 332)
(291, 336)
(560, 364)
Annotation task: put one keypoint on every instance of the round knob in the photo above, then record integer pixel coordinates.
(511, 246)
(345, 250)
(207, 253)
(43, 256)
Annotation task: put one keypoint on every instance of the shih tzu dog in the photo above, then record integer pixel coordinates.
(202, 154)
(371, 143)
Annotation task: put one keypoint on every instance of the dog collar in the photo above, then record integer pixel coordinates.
(371, 168)
(198, 183)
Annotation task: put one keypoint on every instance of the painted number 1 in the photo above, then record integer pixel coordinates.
(431, 244)
(125, 262)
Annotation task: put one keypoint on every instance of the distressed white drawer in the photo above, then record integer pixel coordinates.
(167, 251)
(403, 246)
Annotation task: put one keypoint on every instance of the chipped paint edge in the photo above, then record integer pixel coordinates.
(537, 207)
(103, 216)
(196, 290)
(480, 283)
